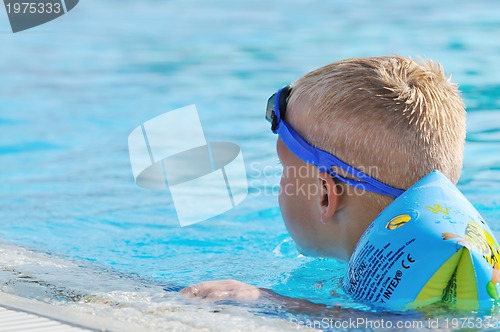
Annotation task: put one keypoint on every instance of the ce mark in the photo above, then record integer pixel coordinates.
(409, 259)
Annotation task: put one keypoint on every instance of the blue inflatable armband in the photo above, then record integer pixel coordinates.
(430, 245)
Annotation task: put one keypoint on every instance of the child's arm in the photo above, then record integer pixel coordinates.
(233, 290)
(220, 290)
(223, 290)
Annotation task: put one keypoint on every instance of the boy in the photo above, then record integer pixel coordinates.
(356, 133)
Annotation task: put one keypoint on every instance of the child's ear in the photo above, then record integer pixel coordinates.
(329, 196)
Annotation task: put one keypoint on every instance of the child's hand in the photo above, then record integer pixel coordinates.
(223, 290)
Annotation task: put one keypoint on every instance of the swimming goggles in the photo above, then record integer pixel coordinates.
(324, 161)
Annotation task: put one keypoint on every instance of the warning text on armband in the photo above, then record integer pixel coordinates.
(376, 272)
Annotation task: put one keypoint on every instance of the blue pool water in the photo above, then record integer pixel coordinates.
(72, 90)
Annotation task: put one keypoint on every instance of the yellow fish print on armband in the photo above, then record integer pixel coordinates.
(476, 238)
(398, 221)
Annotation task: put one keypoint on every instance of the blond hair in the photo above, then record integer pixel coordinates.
(393, 117)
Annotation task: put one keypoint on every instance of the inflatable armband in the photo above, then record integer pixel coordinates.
(429, 245)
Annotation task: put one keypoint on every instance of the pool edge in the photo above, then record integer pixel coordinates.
(64, 316)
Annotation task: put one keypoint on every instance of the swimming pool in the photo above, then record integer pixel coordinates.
(72, 90)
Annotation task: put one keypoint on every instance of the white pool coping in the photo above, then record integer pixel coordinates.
(21, 314)
(40, 292)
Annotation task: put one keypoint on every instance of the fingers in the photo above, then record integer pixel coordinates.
(203, 289)
(218, 295)
(222, 290)
(191, 290)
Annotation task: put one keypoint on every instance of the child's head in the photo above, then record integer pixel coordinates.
(393, 118)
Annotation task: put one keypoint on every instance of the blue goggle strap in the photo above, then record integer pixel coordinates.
(324, 161)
